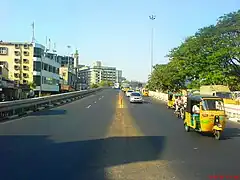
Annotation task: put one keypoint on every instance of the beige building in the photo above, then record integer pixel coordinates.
(19, 57)
(69, 78)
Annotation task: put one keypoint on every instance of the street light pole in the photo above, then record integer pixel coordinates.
(68, 56)
(152, 17)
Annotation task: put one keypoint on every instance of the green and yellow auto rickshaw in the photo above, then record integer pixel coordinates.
(211, 117)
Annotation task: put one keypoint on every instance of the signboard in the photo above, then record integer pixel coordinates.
(10, 85)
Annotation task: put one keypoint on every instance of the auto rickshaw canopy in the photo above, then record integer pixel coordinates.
(196, 99)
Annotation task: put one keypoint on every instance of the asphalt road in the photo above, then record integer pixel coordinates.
(99, 138)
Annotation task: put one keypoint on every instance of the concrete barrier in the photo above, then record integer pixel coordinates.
(13, 109)
(232, 111)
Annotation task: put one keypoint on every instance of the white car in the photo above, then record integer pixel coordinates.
(128, 93)
(136, 97)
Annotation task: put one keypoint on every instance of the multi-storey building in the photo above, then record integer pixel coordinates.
(69, 79)
(67, 61)
(84, 75)
(19, 58)
(118, 76)
(97, 73)
(46, 70)
(16, 61)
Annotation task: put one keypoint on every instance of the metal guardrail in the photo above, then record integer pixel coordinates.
(13, 109)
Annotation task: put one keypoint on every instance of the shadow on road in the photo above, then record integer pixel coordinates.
(39, 157)
(230, 133)
(49, 112)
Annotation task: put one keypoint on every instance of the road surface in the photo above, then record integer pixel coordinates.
(101, 137)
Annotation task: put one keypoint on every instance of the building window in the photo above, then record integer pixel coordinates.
(17, 67)
(25, 61)
(38, 52)
(45, 67)
(16, 75)
(37, 80)
(26, 53)
(25, 75)
(26, 46)
(50, 68)
(16, 82)
(64, 74)
(17, 61)
(54, 70)
(25, 82)
(25, 68)
(17, 53)
(3, 50)
(37, 66)
(17, 46)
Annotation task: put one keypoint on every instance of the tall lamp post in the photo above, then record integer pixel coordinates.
(68, 55)
(152, 17)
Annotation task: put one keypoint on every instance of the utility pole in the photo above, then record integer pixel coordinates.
(33, 32)
(68, 55)
(152, 17)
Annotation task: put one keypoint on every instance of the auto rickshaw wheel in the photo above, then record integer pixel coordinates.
(186, 127)
(217, 135)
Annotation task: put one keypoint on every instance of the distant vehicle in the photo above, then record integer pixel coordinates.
(128, 93)
(116, 85)
(135, 97)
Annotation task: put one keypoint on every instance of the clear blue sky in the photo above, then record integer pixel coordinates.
(117, 32)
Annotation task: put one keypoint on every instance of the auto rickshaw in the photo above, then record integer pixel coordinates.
(211, 119)
(145, 92)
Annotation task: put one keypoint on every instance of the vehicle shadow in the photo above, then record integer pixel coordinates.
(49, 112)
(38, 157)
(228, 133)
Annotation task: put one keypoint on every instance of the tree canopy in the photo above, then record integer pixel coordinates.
(210, 57)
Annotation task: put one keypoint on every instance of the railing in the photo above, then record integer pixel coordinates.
(232, 110)
(13, 109)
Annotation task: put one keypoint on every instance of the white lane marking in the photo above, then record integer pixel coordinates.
(89, 106)
(99, 99)
(95, 102)
(102, 96)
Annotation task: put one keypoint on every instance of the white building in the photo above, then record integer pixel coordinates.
(45, 70)
(102, 73)
(119, 76)
(97, 73)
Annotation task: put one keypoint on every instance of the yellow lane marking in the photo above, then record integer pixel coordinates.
(128, 154)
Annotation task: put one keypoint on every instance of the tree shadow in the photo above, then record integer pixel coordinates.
(49, 112)
(38, 157)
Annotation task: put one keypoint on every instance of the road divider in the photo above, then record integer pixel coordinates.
(232, 111)
(14, 109)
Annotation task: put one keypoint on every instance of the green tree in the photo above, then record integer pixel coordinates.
(211, 56)
(32, 85)
(94, 86)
